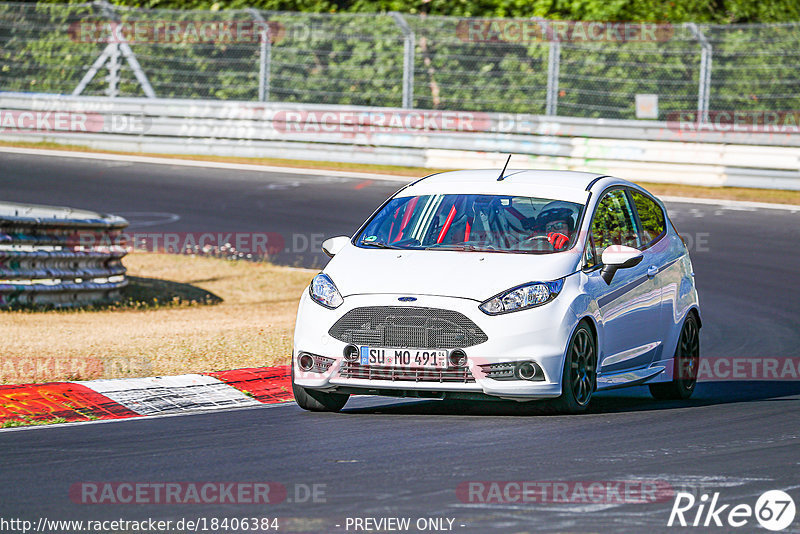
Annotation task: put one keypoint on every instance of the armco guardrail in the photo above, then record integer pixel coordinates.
(59, 257)
(653, 151)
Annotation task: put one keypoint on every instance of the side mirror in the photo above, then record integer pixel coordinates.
(333, 245)
(619, 257)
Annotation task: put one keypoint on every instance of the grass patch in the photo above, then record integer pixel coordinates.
(181, 314)
(27, 421)
(775, 196)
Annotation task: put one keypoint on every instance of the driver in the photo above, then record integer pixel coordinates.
(557, 225)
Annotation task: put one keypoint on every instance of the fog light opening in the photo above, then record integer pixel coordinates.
(458, 358)
(305, 361)
(527, 370)
(351, 353)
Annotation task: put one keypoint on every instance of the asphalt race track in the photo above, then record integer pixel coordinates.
(387, 458)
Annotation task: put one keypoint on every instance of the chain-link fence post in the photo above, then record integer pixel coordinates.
(408, 59)
(111, 54)
(264, 56)
(553, 67)
(125, 48)
(113, 71)
(704, 86)
(96, 66)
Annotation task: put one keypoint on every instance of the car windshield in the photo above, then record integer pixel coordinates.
(496, 223)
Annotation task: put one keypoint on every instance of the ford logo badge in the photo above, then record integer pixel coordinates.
(407, 299)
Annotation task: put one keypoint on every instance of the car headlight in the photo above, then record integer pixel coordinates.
(323, 291)
(522, 297)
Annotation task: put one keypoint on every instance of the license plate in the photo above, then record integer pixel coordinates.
(424, 358)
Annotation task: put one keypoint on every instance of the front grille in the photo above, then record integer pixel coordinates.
(367, 372)
(407, 327)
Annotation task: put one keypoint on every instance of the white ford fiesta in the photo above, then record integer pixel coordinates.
(520, 285)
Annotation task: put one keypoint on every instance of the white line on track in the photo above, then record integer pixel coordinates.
(738, 205)
(733, 204)
(140, 218)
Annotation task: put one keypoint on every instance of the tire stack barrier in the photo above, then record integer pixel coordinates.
(59, 257)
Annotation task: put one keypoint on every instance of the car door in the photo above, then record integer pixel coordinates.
(630, 306)
(659, 257)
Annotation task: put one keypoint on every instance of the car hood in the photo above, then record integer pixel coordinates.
(473, 275)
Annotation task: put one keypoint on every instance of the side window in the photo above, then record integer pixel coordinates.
(613, 223)
(589, 257)
(650, 215)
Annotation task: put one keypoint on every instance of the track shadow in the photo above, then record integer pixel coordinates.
(634, 399)
(153, 292)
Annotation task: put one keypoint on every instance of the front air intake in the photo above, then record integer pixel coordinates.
(407, 327)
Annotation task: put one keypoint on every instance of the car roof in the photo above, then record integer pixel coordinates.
(558, 185)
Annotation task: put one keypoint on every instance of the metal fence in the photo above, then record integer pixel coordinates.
(59, 257)
(392, 60)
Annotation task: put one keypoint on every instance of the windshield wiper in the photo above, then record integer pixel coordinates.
(377, 244)
(466, 247)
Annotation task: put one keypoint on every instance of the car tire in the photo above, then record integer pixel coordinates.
(317, 401)
(686, 363)
(579, 378)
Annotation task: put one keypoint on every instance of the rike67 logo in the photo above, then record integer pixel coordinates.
(774, 510)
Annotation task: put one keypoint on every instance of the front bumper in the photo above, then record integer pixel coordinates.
(539, 334)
